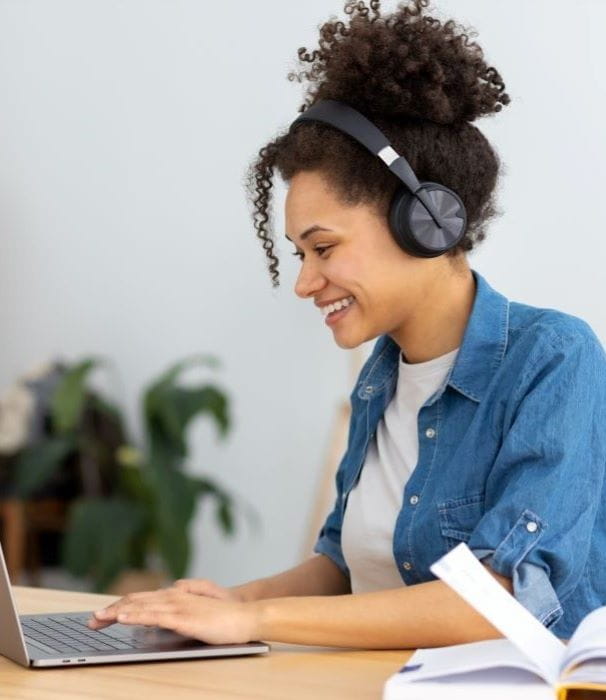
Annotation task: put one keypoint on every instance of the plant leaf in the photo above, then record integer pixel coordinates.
(203, 399)
(68, 398)
(175, 505)
(35, 466)
(135, 484)
(167, 408)
(169, 376)
(106, 408)
(100, 538)
(225, 516)
(178, 406)
(167, 379)
(224, 503)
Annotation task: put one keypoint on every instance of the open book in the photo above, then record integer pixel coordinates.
(530, 661)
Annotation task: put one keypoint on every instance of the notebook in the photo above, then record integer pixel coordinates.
(530, 662)
(63, 639)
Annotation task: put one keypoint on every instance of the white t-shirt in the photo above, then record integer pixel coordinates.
(374, 503)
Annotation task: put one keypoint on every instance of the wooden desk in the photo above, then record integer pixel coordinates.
(288, 672)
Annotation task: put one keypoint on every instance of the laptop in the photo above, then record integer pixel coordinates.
(63, 639)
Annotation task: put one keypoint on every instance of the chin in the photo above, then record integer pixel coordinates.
(350, 342)
(346, 344)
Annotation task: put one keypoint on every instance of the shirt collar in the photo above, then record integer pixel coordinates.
(480, 354)
(484, 341)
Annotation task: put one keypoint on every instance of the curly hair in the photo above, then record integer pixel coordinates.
(422, 82)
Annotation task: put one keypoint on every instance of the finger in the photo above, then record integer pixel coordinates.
(95, 624)
(127, 609)
(150, 617)
(107, 616)
(103, 618)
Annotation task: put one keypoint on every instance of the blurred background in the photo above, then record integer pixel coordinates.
(126, 127)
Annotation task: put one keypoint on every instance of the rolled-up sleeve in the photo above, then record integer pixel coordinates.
(329, 540)
(544, 488)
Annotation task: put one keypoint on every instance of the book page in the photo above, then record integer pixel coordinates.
(591, 672)
(464, 658)
(588, 641)
(504, 684)
(462, 571)
(488, 684)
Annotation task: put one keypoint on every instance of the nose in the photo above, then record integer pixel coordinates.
(309, 280)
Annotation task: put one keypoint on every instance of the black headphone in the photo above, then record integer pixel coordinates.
(426, 219)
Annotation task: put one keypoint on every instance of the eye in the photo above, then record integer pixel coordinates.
(320, 250)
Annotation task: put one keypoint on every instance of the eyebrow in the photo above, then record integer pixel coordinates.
(309, 231)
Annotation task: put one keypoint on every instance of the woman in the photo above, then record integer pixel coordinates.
(475, 419)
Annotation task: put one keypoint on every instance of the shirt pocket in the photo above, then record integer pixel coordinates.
(458, 518)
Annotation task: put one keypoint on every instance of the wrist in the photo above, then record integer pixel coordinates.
(260, 611)
(248, 592)
(238, 593)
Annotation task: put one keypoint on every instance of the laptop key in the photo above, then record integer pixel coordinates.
(53, 635)
(105, 645)
(36, 644)
(45, 639)
(79, 626)
(72, 634)
(94, 638)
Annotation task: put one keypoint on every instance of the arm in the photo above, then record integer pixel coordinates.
(428, 614)
(425, 615)
(316, 576)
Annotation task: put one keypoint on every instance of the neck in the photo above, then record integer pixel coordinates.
(439, 321)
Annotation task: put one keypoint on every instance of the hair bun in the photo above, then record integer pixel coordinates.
(403, 65)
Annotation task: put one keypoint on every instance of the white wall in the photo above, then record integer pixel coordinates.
(125, 130)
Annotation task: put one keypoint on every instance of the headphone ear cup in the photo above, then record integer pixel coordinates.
(415, 231)
(399, 214)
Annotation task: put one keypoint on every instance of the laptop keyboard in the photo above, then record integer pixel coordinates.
(69, 634)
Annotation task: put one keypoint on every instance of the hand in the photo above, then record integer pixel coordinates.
(209, 619)
(200, 586)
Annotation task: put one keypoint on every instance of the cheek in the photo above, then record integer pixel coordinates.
(351, 272)
(376, 276)
(339, 276)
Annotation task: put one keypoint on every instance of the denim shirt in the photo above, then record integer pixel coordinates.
(512, 458)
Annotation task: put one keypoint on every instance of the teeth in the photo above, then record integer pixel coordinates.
(337, 305)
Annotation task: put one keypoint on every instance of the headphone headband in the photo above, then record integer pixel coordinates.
(355, 124)
(426, 218)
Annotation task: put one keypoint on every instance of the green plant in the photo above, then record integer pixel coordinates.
(72, 449)
(149, 505)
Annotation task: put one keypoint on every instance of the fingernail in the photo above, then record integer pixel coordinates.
(101, 613)
(122, 617)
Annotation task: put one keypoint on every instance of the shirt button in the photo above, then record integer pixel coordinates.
(414, 500)
(532, 526)
(430, 432)
(407, 565)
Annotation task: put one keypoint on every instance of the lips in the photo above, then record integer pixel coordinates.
(335, 316)
(337, 305)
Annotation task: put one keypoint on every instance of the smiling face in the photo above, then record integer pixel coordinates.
(356, 260)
